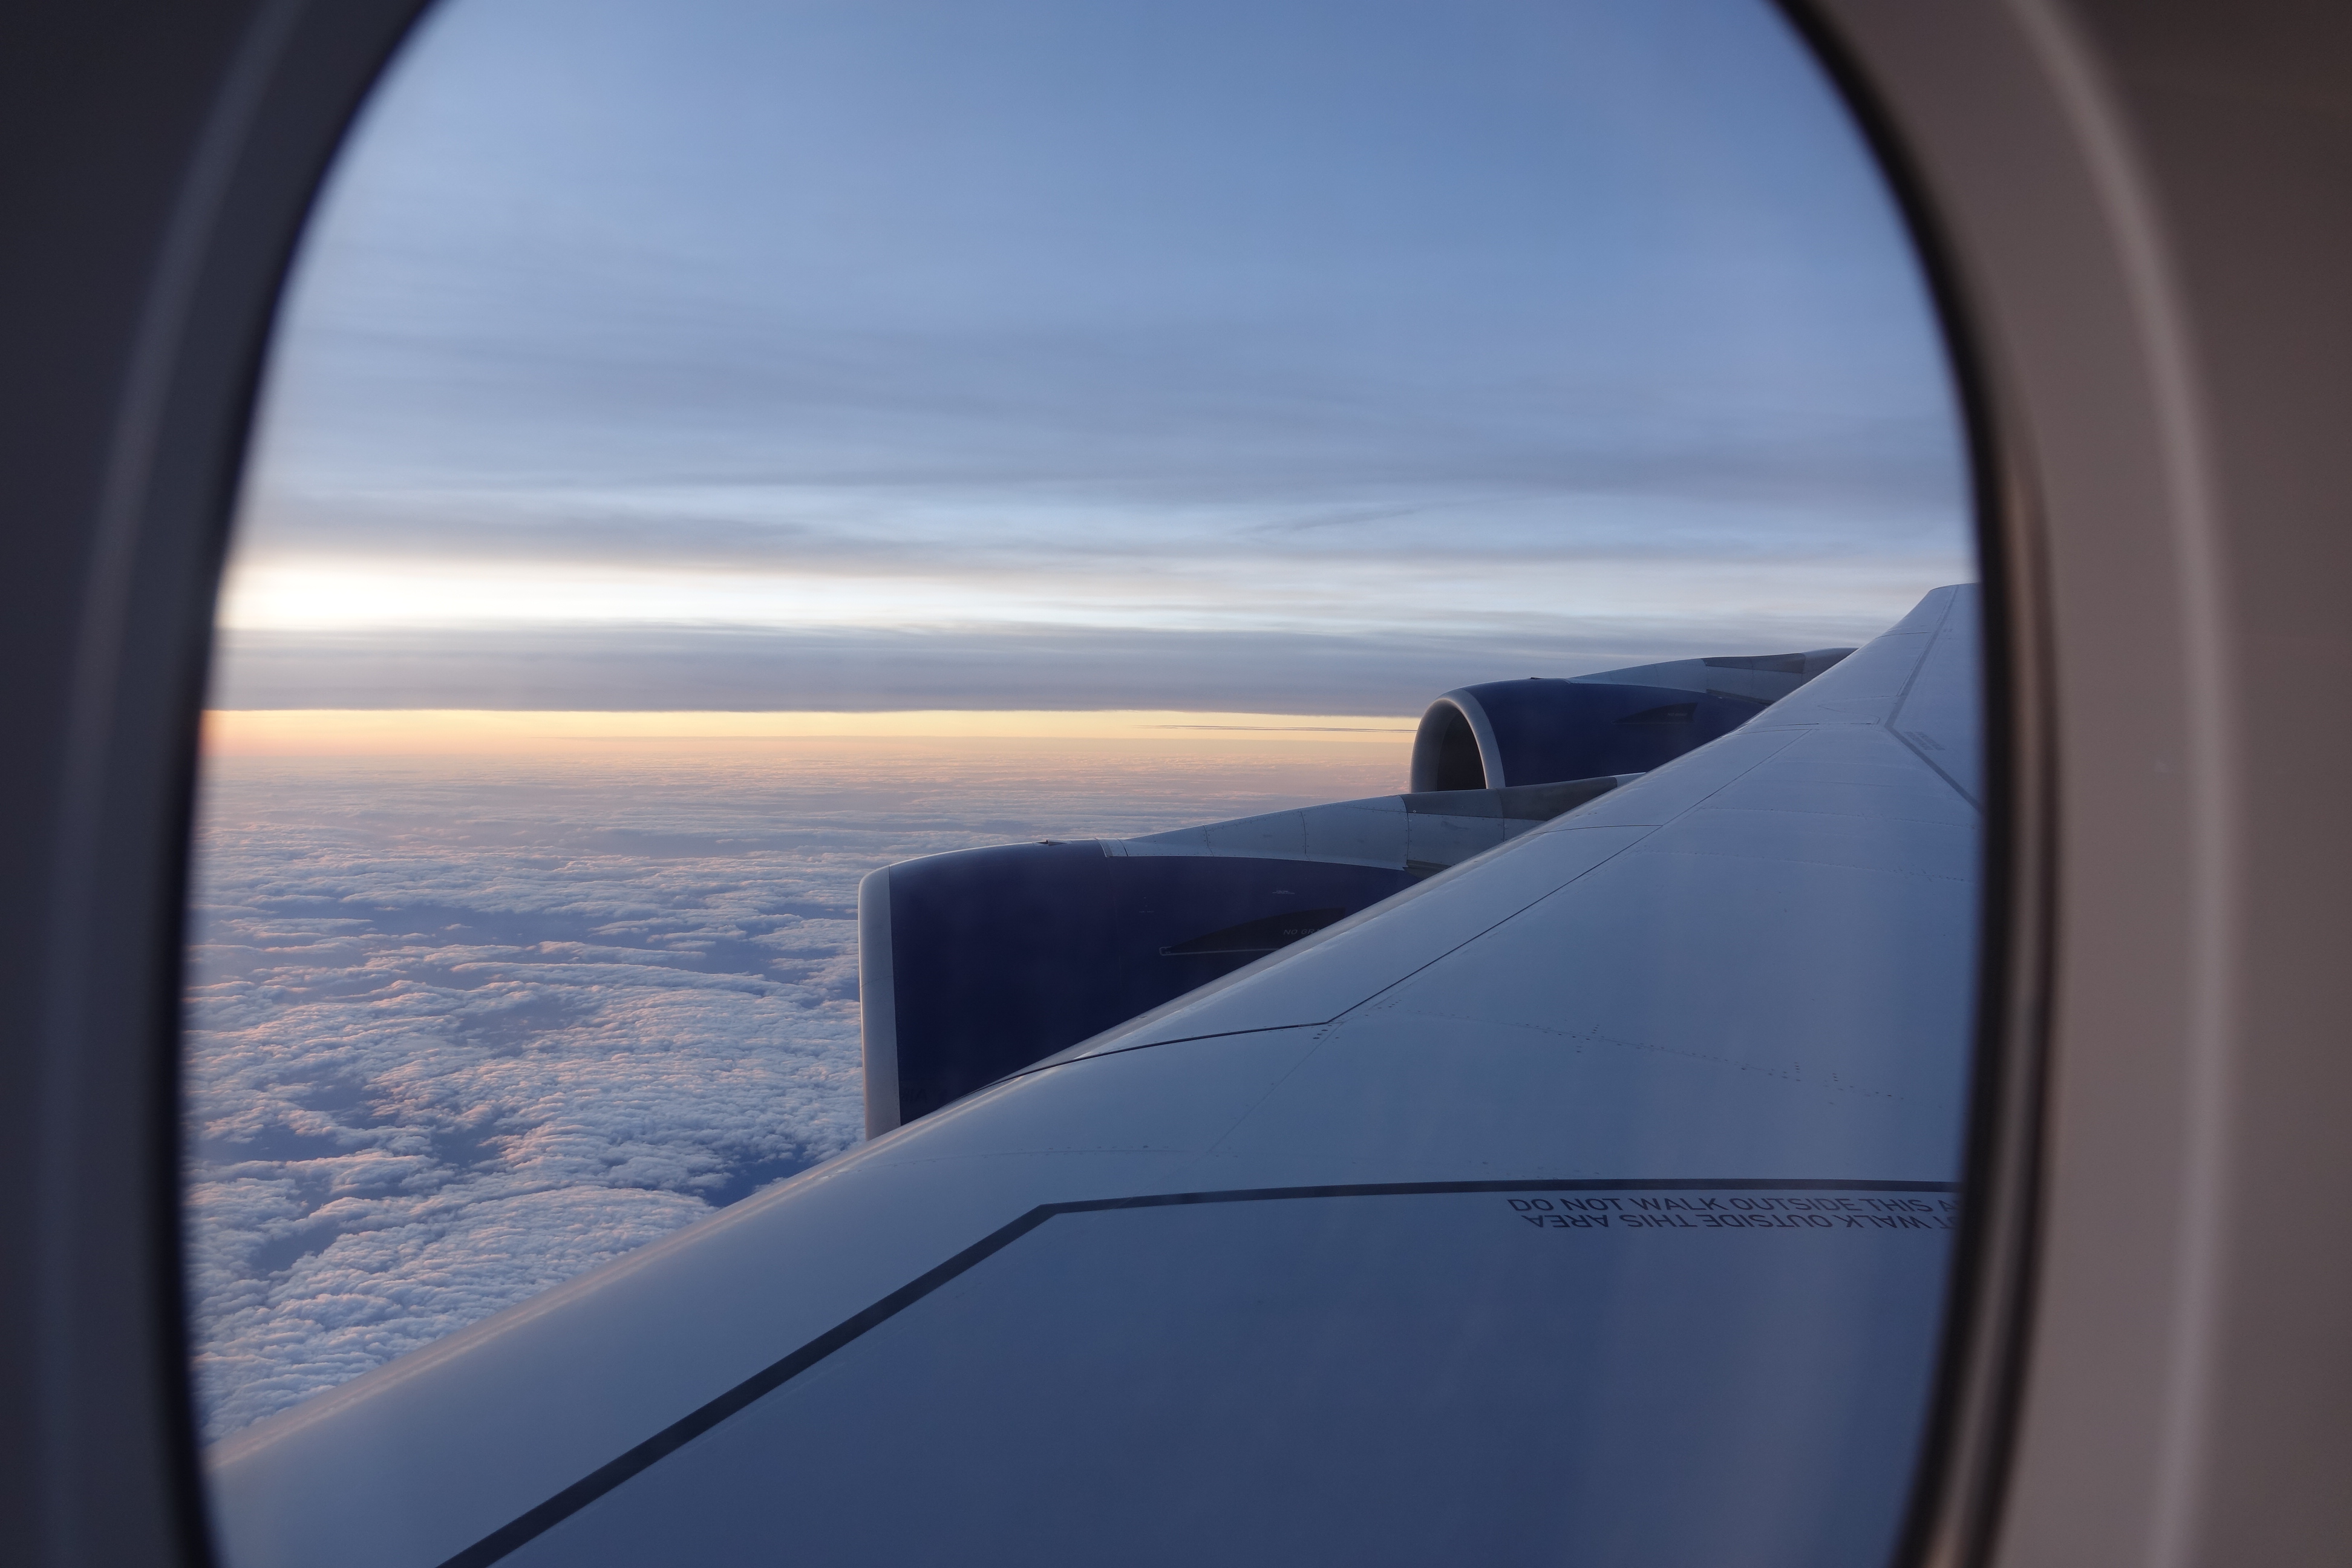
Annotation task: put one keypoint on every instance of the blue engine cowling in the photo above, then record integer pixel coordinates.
(1506, 733)
(993, 958)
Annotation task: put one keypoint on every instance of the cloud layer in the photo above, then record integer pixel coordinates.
(458, 1035)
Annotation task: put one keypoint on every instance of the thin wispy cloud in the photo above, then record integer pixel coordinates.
(1008, 667)
(1491, 322)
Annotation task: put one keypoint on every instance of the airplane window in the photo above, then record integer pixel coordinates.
(1087, 781)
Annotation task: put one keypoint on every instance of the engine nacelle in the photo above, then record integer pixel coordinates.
(1510, 733)
(976, 964)
(1507, 733)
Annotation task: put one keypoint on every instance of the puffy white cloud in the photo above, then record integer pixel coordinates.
(457, 1034)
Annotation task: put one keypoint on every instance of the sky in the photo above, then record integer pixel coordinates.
(711, 449)
(1308, 358)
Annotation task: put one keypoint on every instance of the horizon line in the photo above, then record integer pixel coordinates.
(352, 732)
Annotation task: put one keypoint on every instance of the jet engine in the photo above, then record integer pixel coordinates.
(975, 964)
(1536, 730)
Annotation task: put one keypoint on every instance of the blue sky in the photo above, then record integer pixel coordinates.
(1310, 357)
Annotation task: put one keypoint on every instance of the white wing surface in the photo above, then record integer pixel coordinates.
(1589, 1201)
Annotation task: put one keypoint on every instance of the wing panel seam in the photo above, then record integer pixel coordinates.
(607, 1478)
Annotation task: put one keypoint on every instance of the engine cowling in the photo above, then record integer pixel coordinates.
(1507, 733)
(975, 963)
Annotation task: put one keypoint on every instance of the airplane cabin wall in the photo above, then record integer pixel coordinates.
(2140, 209)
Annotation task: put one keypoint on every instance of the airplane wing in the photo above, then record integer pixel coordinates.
(1588, 1200)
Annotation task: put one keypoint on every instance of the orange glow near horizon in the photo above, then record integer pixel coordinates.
(346, 731)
